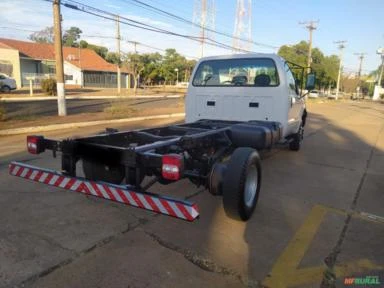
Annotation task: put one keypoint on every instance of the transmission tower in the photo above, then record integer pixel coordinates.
(204, 15)
(243, 26)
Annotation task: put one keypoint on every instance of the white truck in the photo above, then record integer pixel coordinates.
(235, 106)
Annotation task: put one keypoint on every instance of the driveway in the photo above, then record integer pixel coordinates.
(319, 219)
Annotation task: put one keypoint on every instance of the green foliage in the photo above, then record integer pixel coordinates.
(43, 36)
(112, 57)
(71, 36)
(325, 67)
(154, 68)
(376, 75)
(100, 50)
(48, 86)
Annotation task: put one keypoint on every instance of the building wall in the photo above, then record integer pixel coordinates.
(10, 57)
(29, 66)
(71, 71)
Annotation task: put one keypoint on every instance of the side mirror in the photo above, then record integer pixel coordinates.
(310, 81)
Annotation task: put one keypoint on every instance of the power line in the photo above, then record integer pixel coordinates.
(310, 25)
(137, 24)
(181, 19)
(103, 37)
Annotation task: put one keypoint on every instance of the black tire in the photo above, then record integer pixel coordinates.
(295, 144)
(6, 89)
(101, 172)
(243, 163)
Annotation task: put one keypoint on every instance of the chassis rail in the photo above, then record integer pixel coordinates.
(119, 193)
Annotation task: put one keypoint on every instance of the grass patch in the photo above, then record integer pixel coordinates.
(120, 109)
(25, 117)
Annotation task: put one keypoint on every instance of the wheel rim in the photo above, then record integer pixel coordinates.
(250, 186)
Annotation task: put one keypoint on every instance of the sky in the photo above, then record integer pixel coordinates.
(274, 22)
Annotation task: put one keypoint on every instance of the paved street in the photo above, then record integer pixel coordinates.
(320, 214)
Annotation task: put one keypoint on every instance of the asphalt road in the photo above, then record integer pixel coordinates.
(320, 215)
(77, 106)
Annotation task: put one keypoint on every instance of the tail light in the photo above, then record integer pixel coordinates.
(172, 166)
(35, 144)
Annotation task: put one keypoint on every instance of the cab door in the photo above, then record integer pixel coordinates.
(296, 104)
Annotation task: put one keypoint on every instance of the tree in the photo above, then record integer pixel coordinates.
(43, 36)
(325, 67)
(71, 36)
(100, 50)
(113, 57)
(135, 64)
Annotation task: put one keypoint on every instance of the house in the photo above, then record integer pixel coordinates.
(82, 67)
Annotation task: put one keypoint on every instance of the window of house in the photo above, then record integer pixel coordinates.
(68, 77)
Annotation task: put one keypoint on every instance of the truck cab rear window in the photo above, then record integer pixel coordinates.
(260, 72)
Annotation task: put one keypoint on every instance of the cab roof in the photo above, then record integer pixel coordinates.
(244, 55)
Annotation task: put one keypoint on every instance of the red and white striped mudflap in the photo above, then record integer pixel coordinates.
(119, 193)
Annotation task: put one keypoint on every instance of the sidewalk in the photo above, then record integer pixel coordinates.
(91, 97)
(35, 129)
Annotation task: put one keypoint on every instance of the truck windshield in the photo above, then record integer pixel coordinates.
(250, 72)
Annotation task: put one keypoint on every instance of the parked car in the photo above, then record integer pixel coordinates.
(314, 94)
(333, 95)
(7, 83)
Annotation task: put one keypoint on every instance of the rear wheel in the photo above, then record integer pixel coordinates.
(297, 138)
(241, 185)
(102, 172)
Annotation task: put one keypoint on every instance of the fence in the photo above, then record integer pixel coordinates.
(103, 79)
(36, 77)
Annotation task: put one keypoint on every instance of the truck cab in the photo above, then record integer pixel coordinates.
(246, 87)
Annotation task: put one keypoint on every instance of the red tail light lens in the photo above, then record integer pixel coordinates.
(172, 166)
(35, 144)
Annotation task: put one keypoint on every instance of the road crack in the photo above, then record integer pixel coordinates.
(329, 277)
(29, 281)
(202, 262)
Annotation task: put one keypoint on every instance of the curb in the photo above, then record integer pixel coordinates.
(52, 127)
(54, 98)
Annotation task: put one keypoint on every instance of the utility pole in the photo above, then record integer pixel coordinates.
(361, 58)
(310, 25)
(341, 47)
(134, 45)
(118, 54)
(61, 105)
